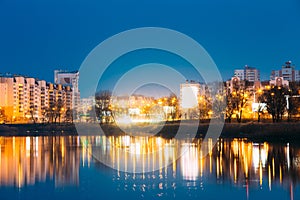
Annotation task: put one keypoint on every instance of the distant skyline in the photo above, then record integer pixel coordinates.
(38, 37)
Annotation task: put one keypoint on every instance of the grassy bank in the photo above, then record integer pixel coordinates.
(253, 131)
(37, 129)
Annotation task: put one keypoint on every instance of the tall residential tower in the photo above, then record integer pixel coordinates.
(69, 78)
(287, 71)
(250, 74)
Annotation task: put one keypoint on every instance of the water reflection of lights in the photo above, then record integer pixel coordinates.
(27, 160)
(237, 162)
(27, 146)
(137, 154)
(235, 147)
(259, 153)
(189, 163)
(126, 140)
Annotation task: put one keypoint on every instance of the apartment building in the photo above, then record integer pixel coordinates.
(250, 74)
(287, 71)
(71, 79)
(26, 99)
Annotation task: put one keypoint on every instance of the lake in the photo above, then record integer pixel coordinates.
(123, 167)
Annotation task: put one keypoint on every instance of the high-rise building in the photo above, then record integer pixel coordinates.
(240, 73)
(59, 97)
(250, 74)
(69, 78)
(3, 89)
(287, 71)
(8, 100)
(25, 99)
(44, 98)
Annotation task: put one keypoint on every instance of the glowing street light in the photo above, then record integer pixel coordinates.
(259, 91)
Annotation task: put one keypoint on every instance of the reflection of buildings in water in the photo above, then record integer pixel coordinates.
(239, 162)
(27, 160)
(135, 154)
(257, 164)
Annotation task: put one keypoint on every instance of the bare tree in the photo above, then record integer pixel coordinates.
(205, 104)
(293, 107)
(241, 99)
(32, 111)
(2, 115)
(230, 107)
(276, 102)
(59, 111)
(69, 115)
(219, 106)
(172, 101)
(50, 112)
(55, 111)
(293, 102)
(238, 99)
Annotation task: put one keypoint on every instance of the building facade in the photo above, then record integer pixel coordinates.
(26, 99)
(240, 73)
(234, 84)
(280, 82)
(250, 74)
(189, 99)
(287, 71)
(69, 78)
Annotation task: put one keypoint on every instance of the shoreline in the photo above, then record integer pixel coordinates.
(284, 131)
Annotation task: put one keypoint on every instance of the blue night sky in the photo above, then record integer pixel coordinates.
(39, 36)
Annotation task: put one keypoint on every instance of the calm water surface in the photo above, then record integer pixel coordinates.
(66, 168)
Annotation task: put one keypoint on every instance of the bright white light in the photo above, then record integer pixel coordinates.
(169, 109)
(123, 120)
(28, 146)
(137, 148)
(27, 143)
(189, 96)
(126, 140)
(189, 163)
(255, 156)
(256, 106)
(264, 156)
(259, 155)
(134, 111)
(158, 141)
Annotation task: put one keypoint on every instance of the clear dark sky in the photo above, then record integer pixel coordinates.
(38, 36)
